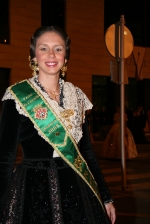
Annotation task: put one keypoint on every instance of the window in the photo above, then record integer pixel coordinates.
(107, 94)
(4, 22)
(53, 13)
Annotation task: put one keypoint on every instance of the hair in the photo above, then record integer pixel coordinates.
(41, 30)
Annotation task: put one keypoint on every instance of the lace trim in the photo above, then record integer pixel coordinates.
(76, 100)
(73, 99)
(9, 96)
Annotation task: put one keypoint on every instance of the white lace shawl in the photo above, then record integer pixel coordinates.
(74, 99)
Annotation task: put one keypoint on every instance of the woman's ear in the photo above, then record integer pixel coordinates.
(66, 61)
(34, 59)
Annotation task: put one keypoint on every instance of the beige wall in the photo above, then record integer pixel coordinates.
(85, 26)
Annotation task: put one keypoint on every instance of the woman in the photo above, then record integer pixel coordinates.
(59, 179)
(111, 147)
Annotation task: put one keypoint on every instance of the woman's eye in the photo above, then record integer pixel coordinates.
(58, 49)
(43, 49)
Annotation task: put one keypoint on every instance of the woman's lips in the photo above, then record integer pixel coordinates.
(51, 64)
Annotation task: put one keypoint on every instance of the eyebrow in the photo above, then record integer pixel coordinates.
(56, 45)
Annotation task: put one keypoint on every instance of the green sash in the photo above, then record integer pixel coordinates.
(52, 130)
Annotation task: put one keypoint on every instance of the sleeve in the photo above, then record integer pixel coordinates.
(90, 157)
(9, 135)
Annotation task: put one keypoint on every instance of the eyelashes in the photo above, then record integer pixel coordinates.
(57, 49)
(43, 49)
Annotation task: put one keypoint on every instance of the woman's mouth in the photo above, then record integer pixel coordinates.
(51, 64)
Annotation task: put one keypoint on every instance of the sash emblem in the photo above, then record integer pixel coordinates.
(40, 113)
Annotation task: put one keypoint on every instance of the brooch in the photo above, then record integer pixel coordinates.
(66, 114)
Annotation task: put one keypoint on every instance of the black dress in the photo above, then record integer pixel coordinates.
(43, 189)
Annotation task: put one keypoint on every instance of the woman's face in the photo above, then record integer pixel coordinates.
(50, 53)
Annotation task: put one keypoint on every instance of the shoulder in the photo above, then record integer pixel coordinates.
(80, 95)
(8, 94)
(11, 100)
(71, 85)
(74, 88)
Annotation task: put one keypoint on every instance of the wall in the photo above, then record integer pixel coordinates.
(85, 26)
(25, 17)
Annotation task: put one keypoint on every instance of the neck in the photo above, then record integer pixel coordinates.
(50, 83)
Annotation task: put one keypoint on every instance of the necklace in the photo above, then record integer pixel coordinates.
(53, 92)
(61, 96)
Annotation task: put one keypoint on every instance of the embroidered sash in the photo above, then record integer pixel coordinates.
(53, 130)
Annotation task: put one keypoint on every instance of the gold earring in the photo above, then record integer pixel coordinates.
(33, 65)
(63, 69)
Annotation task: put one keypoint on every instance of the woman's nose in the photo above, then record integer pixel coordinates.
(51, 54)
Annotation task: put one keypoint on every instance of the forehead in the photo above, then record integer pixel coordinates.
(50, 37)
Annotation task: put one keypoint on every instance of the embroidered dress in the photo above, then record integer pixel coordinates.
(111, 147)
(44, 188)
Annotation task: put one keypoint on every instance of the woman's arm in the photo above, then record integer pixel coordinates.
(9, 134)
(90, 157)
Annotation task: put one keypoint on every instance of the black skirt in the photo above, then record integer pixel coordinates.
(48, 191)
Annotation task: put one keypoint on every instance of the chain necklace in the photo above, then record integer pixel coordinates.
(61, 96)
(53, 92)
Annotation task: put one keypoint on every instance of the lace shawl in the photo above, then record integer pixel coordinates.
(74, 99)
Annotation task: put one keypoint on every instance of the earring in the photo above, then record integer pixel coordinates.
(63, 69)
(34, 66)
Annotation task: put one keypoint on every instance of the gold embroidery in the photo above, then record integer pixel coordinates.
(69, 126)
(66, 114)
(78, 163)
(30, 101)
(85, 174)
(48, 126)
(27, 97)
(53, 128)
(92, 183)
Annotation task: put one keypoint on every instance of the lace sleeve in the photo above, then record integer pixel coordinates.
(87, 105)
